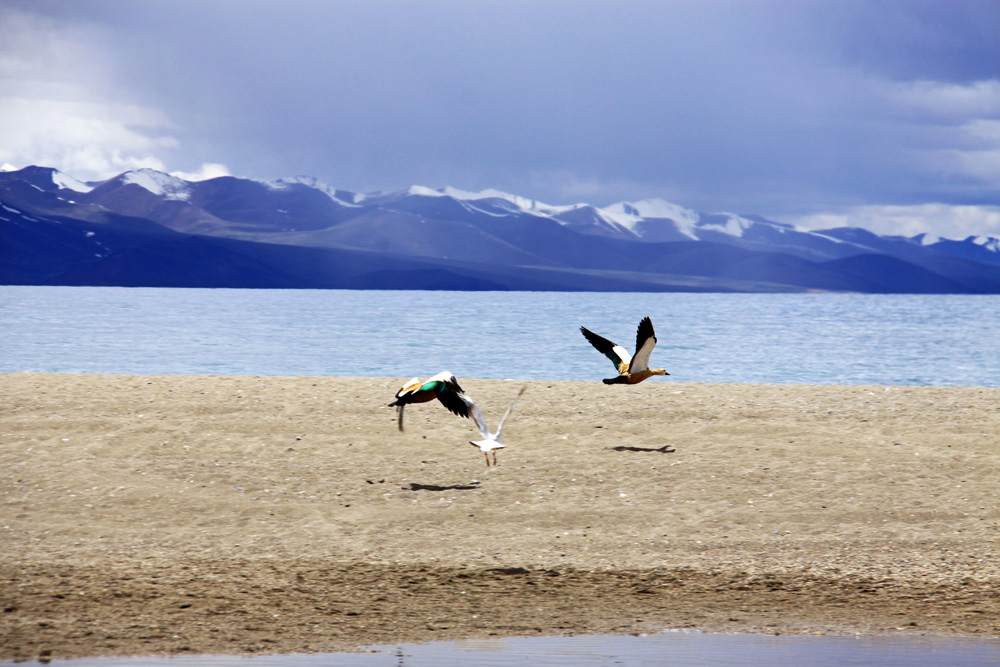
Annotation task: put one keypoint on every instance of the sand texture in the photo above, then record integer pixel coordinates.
(201, 514)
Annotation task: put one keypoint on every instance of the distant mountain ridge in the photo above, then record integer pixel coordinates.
(149, 228)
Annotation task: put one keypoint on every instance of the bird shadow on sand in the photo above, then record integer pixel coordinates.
(665, 449)
(415, 486)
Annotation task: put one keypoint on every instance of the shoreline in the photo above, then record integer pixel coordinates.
(175, 514)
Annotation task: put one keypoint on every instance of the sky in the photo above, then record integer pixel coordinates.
(883, 114)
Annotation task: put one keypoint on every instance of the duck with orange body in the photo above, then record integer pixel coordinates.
(631, 369)
(443, 386)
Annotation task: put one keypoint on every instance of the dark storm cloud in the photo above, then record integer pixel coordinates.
(779, 108)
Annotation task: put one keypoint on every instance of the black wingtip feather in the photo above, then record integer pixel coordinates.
(644, 331)
(454, 403)
(602, 344)
(645, 326)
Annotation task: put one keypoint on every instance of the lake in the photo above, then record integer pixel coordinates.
(747, 338)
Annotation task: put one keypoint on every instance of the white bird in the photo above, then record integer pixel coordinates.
(491, 442)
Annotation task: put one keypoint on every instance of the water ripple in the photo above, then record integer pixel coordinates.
(749, 338)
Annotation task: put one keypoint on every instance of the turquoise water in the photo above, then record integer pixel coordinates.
(750, 338)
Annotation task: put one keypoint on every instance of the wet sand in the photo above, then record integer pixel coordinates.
(199, 514)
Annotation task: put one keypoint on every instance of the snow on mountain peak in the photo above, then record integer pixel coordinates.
(630, 213)
(521, 204)
(422, 191)
(621, 215)
(988, 242)
(734, 225)
(653, 208)
(69, 183)
(316, 184)
(624, 215)
(164, 185)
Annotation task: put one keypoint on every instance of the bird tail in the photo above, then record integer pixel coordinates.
(615, 380)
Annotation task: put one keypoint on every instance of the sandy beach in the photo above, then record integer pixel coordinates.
(200, 514)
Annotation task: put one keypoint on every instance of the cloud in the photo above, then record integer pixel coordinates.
(950, 133)
(60, 109)
(944, 220)
(205, 172)
(945, 99)
(780, 107)
(39, 49)
(561, 187)
(91, 141)
(983, 160)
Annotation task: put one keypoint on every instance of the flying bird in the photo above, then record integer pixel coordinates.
(631, 370)
(443, 386)
(491, 442)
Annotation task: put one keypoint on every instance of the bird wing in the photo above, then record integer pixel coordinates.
(618, 355)
(455, 400)
(645, 340)
(477, 416)
(445, 377)
(509, 408)
(446, 389)
(411, 385)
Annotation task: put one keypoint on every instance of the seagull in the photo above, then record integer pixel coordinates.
(443, 386)
(491, 441)
(631, 370)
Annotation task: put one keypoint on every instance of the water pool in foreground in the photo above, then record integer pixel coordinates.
(674, 648)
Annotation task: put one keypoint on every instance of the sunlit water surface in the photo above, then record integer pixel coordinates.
(748, 338)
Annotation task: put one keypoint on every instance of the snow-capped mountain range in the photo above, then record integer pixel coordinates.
(299, 232)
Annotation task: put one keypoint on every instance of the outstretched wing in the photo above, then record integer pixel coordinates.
(618, 355)
(456, 402)
(445, 377)
(477, 416)
(645, 341)
(509, 408)
(445, 387)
